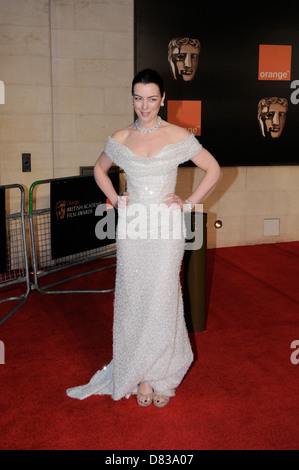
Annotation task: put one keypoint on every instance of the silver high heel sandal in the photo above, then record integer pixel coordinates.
(160, 400)
(144, 399)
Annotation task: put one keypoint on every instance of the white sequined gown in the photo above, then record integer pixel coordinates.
(150, 340)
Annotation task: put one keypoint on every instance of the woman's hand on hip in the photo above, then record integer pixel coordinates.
(176, 202)
(122, 201)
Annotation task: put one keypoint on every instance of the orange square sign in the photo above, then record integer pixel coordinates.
(185, 114)
(275, 62)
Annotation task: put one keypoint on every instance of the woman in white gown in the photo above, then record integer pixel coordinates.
(151, 348)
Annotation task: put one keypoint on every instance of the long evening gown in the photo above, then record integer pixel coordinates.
(150, 339)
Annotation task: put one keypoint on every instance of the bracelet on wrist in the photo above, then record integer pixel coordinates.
(189, 204)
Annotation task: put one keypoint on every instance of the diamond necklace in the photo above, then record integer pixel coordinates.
(151, 129)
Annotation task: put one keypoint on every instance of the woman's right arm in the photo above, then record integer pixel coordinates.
(102, 179)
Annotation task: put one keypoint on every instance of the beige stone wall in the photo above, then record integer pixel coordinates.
(67, 67)
(246, 196)
(92, 68)
(26, 117)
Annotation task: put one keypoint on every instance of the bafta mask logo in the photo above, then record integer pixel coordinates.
(60, 210)
(183, 55)
(271, 116)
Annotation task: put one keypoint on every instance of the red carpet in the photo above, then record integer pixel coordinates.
(241, 393)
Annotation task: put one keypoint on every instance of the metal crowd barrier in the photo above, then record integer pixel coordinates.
(43, 263)
(17, 268)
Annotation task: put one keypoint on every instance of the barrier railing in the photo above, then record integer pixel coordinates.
(14, 270)
(14, 257)
(43, 262)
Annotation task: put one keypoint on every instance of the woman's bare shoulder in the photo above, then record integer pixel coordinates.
(122, 134)
(175, 133)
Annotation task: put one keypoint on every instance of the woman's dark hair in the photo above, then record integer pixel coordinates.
(148, 76)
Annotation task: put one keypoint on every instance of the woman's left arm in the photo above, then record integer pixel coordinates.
(206, 162)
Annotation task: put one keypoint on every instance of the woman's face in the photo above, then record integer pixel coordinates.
(147, 100)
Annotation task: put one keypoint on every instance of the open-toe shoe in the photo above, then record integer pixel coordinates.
(160, 400)
(144, 399)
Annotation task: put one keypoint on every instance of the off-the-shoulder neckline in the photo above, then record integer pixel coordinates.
(157, 153)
